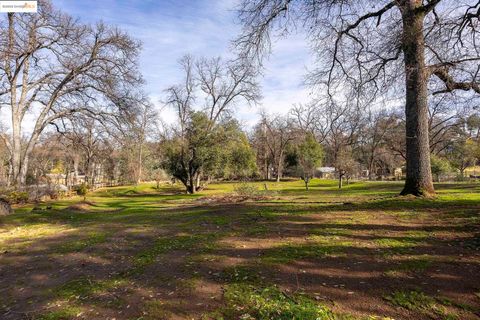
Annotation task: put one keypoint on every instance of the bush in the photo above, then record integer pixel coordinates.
(82, 190)
(5, 208)
(246, 190)
(439, 167)
(17, 197)
(57, 194)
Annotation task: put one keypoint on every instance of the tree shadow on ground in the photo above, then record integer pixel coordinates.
(175, 262)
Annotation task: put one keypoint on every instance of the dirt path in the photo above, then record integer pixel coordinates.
(176, 263)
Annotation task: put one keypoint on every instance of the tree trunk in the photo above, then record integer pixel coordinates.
(197, 182)
(370, 168)
(22, 178)
(419, 177)
(16, 149)
(75, 170)
(340, 181)
(279, 171)
(67, 175)
(140, 162)
(191, 184)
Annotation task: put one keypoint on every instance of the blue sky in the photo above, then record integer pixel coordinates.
(170, 29)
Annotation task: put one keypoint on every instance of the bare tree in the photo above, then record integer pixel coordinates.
(86, 135)
(310, 118)
(344, 123)
(378, 124)
(444, 121)
(223, 84)
(366, 46)
(54, 67)
(131, 128)
(181, 96)
(204, 101)
(279, 132)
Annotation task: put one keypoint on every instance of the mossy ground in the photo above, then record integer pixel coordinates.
(141, 253)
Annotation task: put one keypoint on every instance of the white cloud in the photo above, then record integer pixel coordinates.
(169, 29)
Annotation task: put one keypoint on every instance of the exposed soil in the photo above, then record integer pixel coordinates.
(366, 259)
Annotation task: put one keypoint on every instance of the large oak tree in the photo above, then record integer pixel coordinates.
(366, 46)
(52, 67)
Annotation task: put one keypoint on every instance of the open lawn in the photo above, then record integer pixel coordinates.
(141, 253)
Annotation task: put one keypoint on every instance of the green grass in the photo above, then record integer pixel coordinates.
(392, 246)
(290, 252)
(463, 306)
(249, 303)
(84, 288)
(166, 254)
(92, 239)
(64, 313)
(78, 289)
(156, 310)
(434, 307)
(414, 265)
(172, 243)
(411, 300)
(242, 274)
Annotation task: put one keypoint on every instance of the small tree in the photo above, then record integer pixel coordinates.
(207, 150)
(310, 155)
(82, 190)
(188, 156)
(345, 165)
(461, 156)
(439, 166)
(239, 160)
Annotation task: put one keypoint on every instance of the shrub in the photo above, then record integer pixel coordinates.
(246, 190)
(56, 194)
(439, 167)
(17, 197)
(82, 190)
(5, 208)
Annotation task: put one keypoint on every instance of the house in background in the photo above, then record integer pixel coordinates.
(325, 172)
